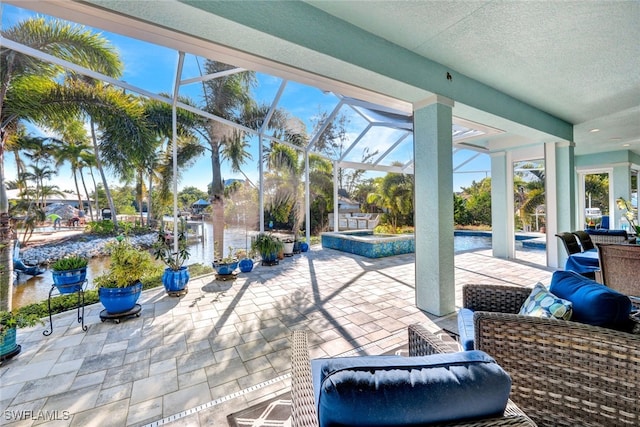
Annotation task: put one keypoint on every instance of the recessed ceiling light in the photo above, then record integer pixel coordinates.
(594, 130)
(615, 138)
(626, 145)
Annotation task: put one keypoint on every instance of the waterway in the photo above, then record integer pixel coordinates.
(29, 289)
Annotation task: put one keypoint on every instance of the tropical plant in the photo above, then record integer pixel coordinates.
(10, 320)
(128, 265)
(72, 262)
(164, 247)
(267, 244)
(629, 213)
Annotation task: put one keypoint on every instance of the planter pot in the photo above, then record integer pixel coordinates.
(69, 281)
(8, 345)
(225, 268)
(120, 300)
(269, 259)
(246, 265)
(296, 247)
(175, 281)
(304, 246)
(288, 248)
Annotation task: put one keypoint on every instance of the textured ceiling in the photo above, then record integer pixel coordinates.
(577, 60)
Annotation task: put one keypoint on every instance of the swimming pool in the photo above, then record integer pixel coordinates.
(368, 244)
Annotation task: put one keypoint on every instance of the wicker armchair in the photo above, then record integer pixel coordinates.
(303, 411)
(564, 373)
(620, 269)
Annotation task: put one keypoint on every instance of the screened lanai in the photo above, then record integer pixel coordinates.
(556, 105)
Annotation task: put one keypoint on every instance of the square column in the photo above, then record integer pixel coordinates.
(560, 190)
(502, 206)
(435, 276)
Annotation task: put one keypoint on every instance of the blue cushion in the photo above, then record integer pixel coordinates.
(601, 232)
(593, 303)
(394, 390)
(466, 329)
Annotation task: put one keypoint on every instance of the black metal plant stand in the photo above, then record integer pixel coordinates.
(80, 292)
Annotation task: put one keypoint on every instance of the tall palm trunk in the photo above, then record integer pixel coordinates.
(217, 207)
(103, 176)
(86, 193)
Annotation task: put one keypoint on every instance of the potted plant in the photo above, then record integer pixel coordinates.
(69, 273)
(9, 322)
(225, 266)
(120, 287)
(246, 260)
(268, 246)
(176, 274)
(288, 247)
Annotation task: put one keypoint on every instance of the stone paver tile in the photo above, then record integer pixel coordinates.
(126, 374)
(113, 414)
(162, 366)
(145, 412)
(191, 378)
(31, 372)
(43, 387)
(113, 394)
(186, 398)
(92, 379)
(154, 386)
(257, 378)
(225, 371)
(194, 360)
(73, 401)
(168, 351)
(20, 413)
(253, 349)
(114, 346)
(102, 361)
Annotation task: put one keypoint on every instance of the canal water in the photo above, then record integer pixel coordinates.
(30, 289)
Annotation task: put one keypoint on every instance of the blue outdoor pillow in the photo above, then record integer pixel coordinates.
(593, 303)
(394, 390)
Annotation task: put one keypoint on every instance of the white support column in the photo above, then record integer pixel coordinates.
(433, 207)
(502, 207)
(336, 220)
(261, 185)
(619, 186)
(560, 189)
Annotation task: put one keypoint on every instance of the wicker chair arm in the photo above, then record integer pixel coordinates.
(562, 372)
(303, 406)
(423, 343)
(494, 298)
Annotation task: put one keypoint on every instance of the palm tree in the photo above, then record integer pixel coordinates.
(73, 149)
(224, 97)
(21, 75)
(395, 195)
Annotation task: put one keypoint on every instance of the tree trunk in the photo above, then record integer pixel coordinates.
(86, 193)
(217, 205)
(6, 262)
(104, 178)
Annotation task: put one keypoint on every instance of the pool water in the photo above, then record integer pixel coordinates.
(463, 243)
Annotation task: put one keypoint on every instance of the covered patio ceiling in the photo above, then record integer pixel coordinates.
(537, 71)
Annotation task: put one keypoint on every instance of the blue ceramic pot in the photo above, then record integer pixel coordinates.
(120, 300)
(225, 268)
(269, 258)
(175, 281)
(246, 265)
(8, 344)
(69, 281)
(304, 246)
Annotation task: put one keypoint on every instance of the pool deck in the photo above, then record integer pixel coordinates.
(224, 346)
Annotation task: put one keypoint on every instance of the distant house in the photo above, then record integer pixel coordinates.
(70, 199)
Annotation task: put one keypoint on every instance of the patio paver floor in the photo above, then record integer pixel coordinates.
(224, 346)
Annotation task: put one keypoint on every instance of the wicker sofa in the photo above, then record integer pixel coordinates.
(564, 373)
(421, 343)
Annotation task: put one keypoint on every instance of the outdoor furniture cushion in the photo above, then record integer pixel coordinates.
(593, 303)
(394, 390)
(466, 329)
(542, 303)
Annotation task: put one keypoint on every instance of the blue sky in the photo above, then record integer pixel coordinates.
(152, 68)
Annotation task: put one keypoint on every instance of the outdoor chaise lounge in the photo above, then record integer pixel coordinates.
(567, 373)
(395, 390)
